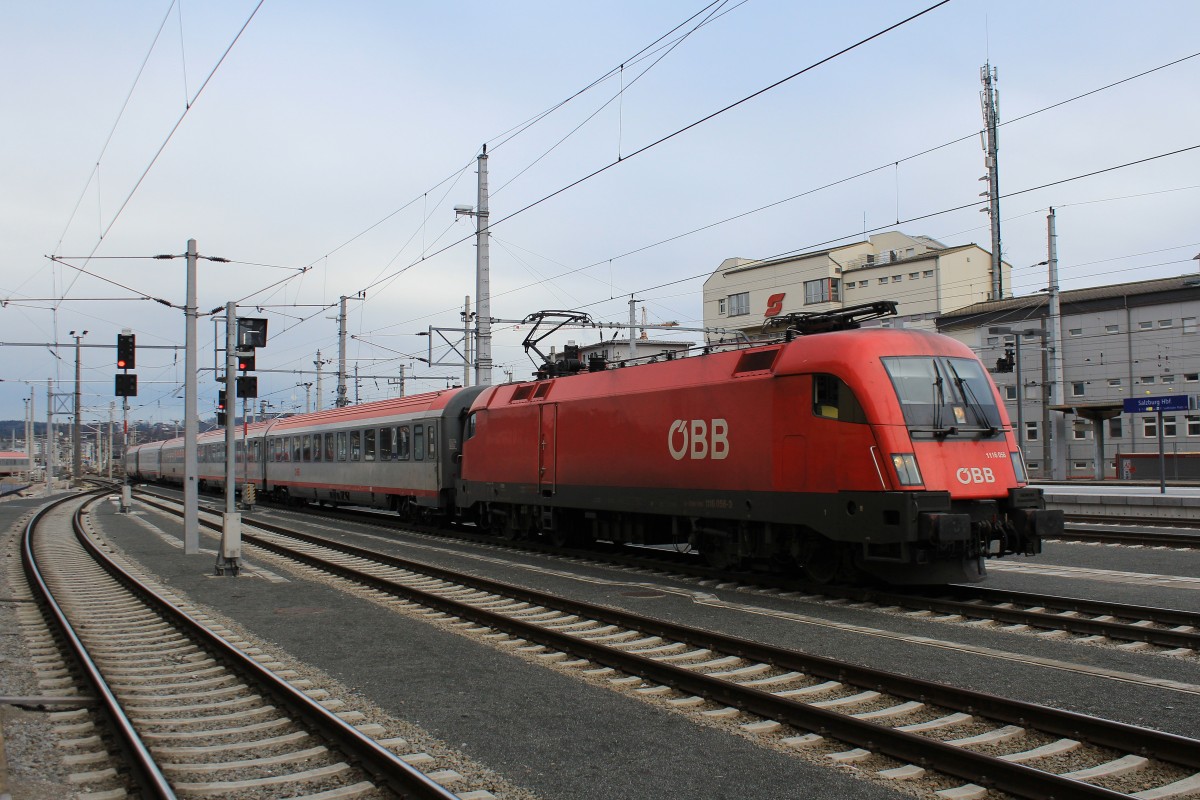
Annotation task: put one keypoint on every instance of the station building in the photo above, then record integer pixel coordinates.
(1121, 341)
(924, 276)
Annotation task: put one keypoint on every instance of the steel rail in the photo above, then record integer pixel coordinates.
(401, 777)
(989, 771)
(144, 768)
(959, 603)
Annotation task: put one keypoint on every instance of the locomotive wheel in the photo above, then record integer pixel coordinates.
(824, 562)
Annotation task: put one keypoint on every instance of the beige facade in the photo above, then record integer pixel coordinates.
(922, 275)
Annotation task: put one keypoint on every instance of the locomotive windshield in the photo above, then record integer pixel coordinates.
(943, 396)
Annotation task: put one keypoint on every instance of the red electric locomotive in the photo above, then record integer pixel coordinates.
(847, 454)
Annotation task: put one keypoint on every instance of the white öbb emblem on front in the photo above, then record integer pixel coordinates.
(969, 475)
(697, 439)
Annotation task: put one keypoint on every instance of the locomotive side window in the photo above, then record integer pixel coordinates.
(369, 444)
(330, 453)
(419, 442)
(402, 443)
(833, 399)
(341, 445)
(386, 448)
(355, 445)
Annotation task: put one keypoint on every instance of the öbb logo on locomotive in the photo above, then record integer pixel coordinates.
(698, 439)
(969, 475)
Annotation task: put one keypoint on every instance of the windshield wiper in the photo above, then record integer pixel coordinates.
(973, 402)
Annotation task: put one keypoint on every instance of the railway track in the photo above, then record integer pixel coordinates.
(1163, 631)
(192, 710)
(893, 725)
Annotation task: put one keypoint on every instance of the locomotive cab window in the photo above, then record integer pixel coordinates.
(833, 399)
(943, 396)
(469, 430)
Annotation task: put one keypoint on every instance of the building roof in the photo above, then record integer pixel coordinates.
(1033, 306)
(925, 256)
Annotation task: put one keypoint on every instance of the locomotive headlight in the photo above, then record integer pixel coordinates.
(1018, 462)
(906, 468)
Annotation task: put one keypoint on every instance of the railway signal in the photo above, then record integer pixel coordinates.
(126, 351)
(220, 406)
(125, 384)
(245, 362)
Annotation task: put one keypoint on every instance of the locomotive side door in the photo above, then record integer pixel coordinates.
(547, 451)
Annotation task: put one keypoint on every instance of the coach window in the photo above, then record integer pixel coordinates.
(306, 448)
(402, 443)
(369, 444)
(329, 451)
(419, 442)
(386, 450)
(432, 443)
(270, 450)
(355, 445)
(296, 448)
(833, 399)
(341, 445)
(316, 447)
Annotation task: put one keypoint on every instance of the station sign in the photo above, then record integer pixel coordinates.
(1150, 405)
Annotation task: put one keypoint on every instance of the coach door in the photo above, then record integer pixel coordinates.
(548, 415)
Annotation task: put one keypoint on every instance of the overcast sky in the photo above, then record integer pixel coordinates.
(325, 153)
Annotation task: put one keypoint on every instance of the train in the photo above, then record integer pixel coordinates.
(848, 454)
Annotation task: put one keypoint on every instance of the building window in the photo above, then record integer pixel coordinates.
(1080, 465)
(883, 281)
(912, 276)
(1010, 393)
(721, 306)
(1193, 425)
(739, 304)
(1189, 324)
(992, 341)
(1145, 326)
(909, 252)
(1168, 378)
(1114, 381)
(1169, 426)
(1150, 427)
(1077, 389)
(897, 278)
(1146, 379)
(927, 273)
(1076, 332)
(822, 290)
(1080, 430)
(1031, 431)
(1114, 428)
(1191, 377)
(1112, 328)
(1165, 323)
